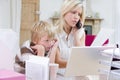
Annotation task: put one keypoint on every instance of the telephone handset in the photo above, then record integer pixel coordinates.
(79, 24)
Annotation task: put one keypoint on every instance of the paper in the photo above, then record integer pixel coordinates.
(110, 52)
(108, 63)
(114, 63)
(37, 68)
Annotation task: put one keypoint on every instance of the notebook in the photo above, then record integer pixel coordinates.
(85, 61)
(102, 36)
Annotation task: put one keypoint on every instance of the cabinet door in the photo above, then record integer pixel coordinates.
(28, 17)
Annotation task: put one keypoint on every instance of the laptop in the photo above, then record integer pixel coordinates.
(85, 61)
(102, 36)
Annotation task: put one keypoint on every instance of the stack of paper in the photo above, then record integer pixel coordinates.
(114, 63)
(110, 52)
(108, 63)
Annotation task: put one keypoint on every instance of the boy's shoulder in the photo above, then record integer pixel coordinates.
(25, 48)
(26, 44)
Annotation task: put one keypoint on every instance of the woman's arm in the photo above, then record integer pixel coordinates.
(62, 63)
(53, 51)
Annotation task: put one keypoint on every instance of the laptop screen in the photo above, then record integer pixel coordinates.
(85, 61)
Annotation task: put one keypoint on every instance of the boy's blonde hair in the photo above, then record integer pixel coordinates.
(67, 6)
(40, 29)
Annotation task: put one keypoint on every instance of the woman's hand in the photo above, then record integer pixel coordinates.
(79, 36)
(39, 50)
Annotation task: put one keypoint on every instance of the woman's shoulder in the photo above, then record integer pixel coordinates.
(82, 30)
(60, 34)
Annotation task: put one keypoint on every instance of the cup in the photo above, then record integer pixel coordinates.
(53, 68)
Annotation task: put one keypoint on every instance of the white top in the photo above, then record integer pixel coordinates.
(65, 46)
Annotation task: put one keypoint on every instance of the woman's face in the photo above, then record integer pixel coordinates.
(73, 16)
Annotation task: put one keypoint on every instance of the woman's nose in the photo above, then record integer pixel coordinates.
(76, 16)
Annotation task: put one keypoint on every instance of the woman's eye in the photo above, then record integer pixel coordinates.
(73, 12)
(47, 40)
(79, 14)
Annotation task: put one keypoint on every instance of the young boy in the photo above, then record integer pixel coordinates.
(42, 44)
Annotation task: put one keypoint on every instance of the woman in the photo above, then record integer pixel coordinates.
(70, 31)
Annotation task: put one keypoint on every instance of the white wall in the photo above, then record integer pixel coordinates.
(5, 14)
(48, 7)
(105, 10)
(117, 21)
(10, 14)
(16, 15)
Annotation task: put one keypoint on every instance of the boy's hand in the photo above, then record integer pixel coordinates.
(54, 43)
(53, 51)
(39, 50)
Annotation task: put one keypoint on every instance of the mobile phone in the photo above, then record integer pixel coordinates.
(79, 24)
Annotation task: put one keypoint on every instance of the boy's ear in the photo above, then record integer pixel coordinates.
(35, 40)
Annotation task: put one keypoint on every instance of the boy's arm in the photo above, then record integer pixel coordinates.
(53, 51)
(39, 50)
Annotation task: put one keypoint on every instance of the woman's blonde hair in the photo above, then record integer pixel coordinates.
(40, 29)
(67, 6)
